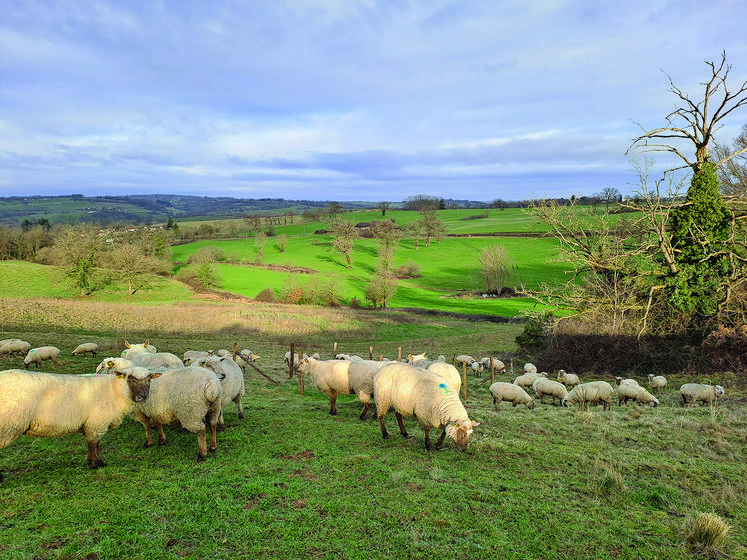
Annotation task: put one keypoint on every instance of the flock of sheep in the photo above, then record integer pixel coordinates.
(159, 388)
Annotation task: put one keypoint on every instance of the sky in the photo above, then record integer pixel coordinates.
(349, 99)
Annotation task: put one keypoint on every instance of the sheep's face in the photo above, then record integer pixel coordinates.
(530, 405)
(138, 381)
(719, 390)
(460, 433)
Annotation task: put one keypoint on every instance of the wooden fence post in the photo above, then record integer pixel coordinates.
(464, 379)
(399, 354)
(291, 361)
(370, 352)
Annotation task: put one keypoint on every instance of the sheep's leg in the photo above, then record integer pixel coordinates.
(221, 424)
(333, 403)
(93, 458)
(161, 434)
(401, 423)
(213, 435)
(427, 430)
(202, 443)
(440, 441)
(148, 437)
(237, 400)
(364, 414)
(384, 433)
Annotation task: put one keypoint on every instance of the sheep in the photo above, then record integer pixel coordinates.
(628, 391)
(418, 361)
(657, 382)
(568, 379)
(498, 366)
(592, 392)
(244, 357)
(38, 355)
(45, 404)
(189, 395)
(425, 395)
(464, 359)
(131, 349)
(86, 347)
(502, 391)
(694, 392)
(622, 381)
(543, 386)
(296, 361)
(530, 368)
(191, 356)
(231, 381)
(528, 378)
(342, 377)
(157, 360)
(477, 367)
(449, 373)
(14, 346)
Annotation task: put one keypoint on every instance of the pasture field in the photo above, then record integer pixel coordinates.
(291, 481)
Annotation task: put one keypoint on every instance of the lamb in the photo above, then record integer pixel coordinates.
(449, 373)
(694, 392)
(543, 386)
(343, 377)
(189, 395)
(14, 346)
(46, 405)
(527, 379)
(628, 391)
(231, 381)
(38, 355)
(425, 395)
(86, 347)
(593, 392)
(502, 391)
(477, 367)
(568, 379)
(657, 382)
(498, 365)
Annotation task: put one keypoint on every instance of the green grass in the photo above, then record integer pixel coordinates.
(290, 481)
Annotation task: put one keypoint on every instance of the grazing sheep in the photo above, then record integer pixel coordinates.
(477, 367)
(498, 366)
(343, 377)
(694, 392)
(530, 368)
(86, 347)
(657, 382)
(543, 386)
(38, 355)
(502, 391)
(14, 346)
(131, 349)
(425, 395)
(231, 381)
(464, 359)
(46, 404)
(244, 357)
(527, 379)
(189, 395)
(449, 373)
(628, 391)
(622, 381)
(568, 379)
(593, 392)
(157, 360)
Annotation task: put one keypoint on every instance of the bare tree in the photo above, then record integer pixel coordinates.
(733, 172)
(345, 233)
(383, 206)
(696, 121)
(609, 195)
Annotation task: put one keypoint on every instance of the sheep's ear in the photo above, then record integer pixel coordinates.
(127, 344)
(119, 375)
(156, 375)
(475, 424)
(146, 344)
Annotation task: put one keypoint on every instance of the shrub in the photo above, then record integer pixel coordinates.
(209, 253)
(534, 335)
(266, 296)
(410, 269)
(708, 532)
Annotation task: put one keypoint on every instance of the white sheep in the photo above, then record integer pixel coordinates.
(244, 357)
(425, 395)
(593, 392)
(503, 391)
(464, 359)
(568, 379)
(477, 367)
(628, 391)
(418, 361)
(296, 361)
(622, 381)
(14, 346)
(530, 368)
(131, 349)
(527, 379)
(189, 395)
(498, 366)
(231, 381)
(86, 347)
(38, 355)
(157, 360)
(449, 373)
(657, 382)
(342, 377)
(191, 356)
(543, 387)
(694, 392)
(44, 404)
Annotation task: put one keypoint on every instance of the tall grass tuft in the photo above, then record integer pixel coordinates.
(707, 532)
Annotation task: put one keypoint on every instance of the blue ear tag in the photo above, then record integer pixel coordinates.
(444, 387)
